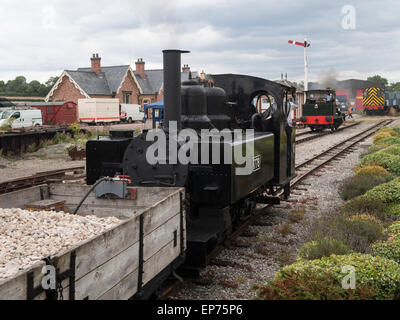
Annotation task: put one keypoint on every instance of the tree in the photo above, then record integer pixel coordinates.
(395, 86)
(43, 90)
(18, 85)
(33, 88)
(378, 79)
(51, 82)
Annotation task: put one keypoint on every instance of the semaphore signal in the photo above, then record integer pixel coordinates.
(305, 45)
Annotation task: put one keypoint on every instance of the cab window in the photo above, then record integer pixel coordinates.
(16, 115)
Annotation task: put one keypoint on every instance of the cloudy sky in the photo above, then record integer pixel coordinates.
(40, 38)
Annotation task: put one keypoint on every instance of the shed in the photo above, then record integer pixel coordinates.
(57, 113)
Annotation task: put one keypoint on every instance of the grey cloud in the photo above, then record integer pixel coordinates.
(225, 36)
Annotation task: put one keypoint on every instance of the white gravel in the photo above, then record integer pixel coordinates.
(26, 237)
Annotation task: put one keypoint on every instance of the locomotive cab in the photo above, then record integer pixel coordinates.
(321, 111)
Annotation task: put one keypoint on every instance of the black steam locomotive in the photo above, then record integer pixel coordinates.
(217, 197)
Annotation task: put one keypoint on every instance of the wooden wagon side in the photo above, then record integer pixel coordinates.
(130, 259)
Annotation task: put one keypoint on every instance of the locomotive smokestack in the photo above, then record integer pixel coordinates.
(172, 87)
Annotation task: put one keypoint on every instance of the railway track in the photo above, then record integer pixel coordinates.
(312, 136)
(308, 167)
(42, 178)
(305, 169)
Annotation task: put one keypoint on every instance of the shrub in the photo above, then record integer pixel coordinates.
(389, 141)
(380, 273)
(382, 135)
(393, 150)
(389, 249)
(388, 192)
(389, 130)
(361, 183)
(393, 230)
(311, 286)
(393, 211)
(365, 226)
(373, 171)
(372, 149)
(373, 207)
(386, 160)
(323, 247)
(357, 232)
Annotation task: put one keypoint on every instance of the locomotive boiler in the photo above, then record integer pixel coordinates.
(217, 116)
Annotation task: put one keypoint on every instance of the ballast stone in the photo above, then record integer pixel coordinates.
(27, 237)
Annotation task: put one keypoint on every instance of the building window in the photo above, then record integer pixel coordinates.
(127, 97)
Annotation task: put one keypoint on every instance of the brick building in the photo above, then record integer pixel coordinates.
(139, 86)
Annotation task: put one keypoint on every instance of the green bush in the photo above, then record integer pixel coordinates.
(380, 273)
(393, 230)
(357, 231)
(393, 211)
(388, 192)
(388, 161)
(365, 226)
(311, 286)
(361, 183)
(323, 247)
(387, 249)
(372, 149)
(393, 150)
(373, 207)
(389, 141)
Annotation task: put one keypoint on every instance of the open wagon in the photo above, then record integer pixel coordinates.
(129, 260)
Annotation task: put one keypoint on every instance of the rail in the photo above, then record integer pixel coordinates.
(40, 178)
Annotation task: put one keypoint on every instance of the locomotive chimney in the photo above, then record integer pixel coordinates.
(172, 87)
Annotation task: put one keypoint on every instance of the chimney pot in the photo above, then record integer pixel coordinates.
(140, 64)
(96, 64)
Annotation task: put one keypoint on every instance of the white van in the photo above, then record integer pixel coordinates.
(22, 118)
(132, 112)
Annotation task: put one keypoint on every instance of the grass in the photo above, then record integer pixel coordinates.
(296, 216)
(285, 230)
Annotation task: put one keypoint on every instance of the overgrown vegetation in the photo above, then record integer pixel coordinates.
(323, 247)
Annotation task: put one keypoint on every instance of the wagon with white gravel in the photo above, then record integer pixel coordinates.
(130, 247)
